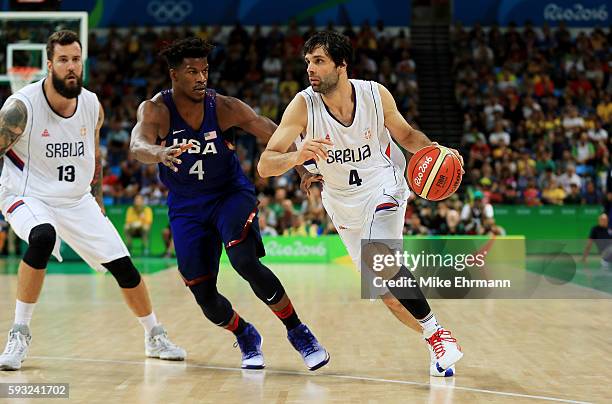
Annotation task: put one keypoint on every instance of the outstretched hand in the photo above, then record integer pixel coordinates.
(169, 155)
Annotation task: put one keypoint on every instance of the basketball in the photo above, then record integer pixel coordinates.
(434, 173)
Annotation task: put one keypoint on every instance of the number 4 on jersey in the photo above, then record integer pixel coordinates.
(197, 169)
(354, 178)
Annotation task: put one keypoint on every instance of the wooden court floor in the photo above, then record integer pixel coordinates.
(515, 350)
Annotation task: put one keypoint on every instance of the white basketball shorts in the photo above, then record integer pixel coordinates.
(385, 222)
(82, 225)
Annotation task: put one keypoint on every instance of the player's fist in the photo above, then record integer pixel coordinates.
(168, 156)
(313, 149)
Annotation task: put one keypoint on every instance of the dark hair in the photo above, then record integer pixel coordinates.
(64, 37)
(192, 47)
(336, 45)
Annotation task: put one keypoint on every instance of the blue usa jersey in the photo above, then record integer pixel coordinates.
(210, 167)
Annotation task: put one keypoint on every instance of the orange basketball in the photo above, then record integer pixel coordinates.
(434, 173)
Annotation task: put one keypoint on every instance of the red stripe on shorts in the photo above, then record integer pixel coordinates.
(387, 205)
(245, 229)
(14, 206)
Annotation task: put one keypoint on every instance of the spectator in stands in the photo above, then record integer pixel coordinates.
(474, 213)
(584, 151)
(553, 193)
(168, 242)
(264, 228)
(604, 108)
(300, 228)
(117, 140)
(573, 197)
(607, 205)
(598, 132)
(601, 235)
(472, 136)
(539, 76)
(138, 221)
(528, 81)
(414, 227)
(591, 195)
(4, 229)
(573, 122)
(499, 136)
(480, 152)
(452, 226)
(570, 177)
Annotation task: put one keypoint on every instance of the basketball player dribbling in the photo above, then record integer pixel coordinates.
(50, 135)
(211, 202)
(345, 127)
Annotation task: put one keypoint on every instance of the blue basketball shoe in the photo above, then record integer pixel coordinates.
(304, 341)
(250, 345)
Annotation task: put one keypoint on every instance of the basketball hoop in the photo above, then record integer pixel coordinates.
(21, 76)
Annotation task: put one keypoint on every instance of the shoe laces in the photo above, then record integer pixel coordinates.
(436, 341)
(248, 345)
(14, 343)
(162, 339)
(304, 341)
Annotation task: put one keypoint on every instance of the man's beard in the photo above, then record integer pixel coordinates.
(328, 85)
(65, 91)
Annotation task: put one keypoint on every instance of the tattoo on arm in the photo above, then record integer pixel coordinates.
(13, 120)
(96, 182)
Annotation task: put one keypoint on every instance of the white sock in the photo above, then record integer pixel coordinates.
(429, 324)
(148, 322)
(23, 312)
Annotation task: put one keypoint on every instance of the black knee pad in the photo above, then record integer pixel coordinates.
(40, 246)
(124, 271)
(244, 256)
(242, 259)
(265, 284)
(214, 305)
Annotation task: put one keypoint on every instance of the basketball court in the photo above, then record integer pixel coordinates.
(83, 334)
(516, 350)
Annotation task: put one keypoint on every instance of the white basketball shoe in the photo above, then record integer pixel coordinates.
(433, 368)
(158, 345)
(444, 351)
(16, 348)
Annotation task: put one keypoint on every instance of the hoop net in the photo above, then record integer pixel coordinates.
(21, 76)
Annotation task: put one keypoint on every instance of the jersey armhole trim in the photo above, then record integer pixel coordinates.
(311, 113)
(31, 119)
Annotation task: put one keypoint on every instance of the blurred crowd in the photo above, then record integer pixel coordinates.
(536, 103)
(537, 112)
(265, 70)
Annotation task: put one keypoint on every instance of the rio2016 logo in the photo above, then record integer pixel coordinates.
(576, 12)
(421, 170)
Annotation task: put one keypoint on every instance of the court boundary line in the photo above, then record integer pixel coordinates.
(298, 373)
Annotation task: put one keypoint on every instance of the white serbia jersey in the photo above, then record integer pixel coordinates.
(54, 159)
(364, 163)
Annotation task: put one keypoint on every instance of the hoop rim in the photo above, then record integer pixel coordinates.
(23, 70)
(20, 76)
